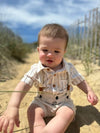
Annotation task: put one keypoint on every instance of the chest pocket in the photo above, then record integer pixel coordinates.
(63, 84)
(39, 80)
(64, 81)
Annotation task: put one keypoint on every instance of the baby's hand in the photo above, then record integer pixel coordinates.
(92, 98)
(8, 119)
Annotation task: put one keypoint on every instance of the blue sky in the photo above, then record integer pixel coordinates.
(26, 17)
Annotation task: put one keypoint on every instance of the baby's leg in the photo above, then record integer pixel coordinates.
(60, 122)
(35, 118)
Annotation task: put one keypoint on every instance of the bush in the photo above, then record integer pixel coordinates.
(18, 51)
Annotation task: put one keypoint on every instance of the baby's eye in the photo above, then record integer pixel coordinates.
(56, 51)
(44, 50)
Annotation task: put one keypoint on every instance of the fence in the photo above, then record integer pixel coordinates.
(85, 37)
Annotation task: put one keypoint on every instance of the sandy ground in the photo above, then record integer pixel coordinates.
(87, 119)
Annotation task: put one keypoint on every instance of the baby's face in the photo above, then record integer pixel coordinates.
(51, 51)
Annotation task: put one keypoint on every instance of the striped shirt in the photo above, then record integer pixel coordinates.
(55, 82)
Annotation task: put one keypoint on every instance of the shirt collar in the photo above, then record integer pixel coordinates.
(41, 67)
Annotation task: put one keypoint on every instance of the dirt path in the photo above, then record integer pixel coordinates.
(87, 118)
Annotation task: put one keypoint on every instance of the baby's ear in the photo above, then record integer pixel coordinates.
(65, 51)
(38, 49)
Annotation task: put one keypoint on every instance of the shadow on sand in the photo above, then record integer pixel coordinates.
(85, 115)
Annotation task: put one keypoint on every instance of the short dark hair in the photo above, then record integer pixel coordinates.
(54, 31)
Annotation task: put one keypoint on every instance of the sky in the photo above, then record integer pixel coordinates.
(27, 17)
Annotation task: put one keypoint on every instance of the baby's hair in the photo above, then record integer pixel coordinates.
(54, 31)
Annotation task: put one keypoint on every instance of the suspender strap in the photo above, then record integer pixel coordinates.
(68, 75)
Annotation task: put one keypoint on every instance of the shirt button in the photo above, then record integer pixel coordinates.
(54, 74)
(68, 87)
(54, 85)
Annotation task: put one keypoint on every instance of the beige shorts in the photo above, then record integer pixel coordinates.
(50, 103)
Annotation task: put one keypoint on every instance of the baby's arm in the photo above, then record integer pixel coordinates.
(91, 96)
(11, 115)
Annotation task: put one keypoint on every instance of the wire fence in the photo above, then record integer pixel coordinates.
(85, 37)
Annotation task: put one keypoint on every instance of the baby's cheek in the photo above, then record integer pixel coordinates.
(41, 55)
(59, 58)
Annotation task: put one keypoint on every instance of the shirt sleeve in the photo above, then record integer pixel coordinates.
(76, 77)
(29, 77)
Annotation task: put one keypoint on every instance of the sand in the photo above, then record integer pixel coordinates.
(87, 119)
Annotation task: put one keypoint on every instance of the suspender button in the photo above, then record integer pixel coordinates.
(40, 96)
(67, 97)
(57, 97)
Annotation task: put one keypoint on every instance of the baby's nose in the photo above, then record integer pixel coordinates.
(50, 54)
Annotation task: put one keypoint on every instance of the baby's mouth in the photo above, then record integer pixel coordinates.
(49, 61)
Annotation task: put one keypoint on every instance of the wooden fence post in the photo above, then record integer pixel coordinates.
(85, 36)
